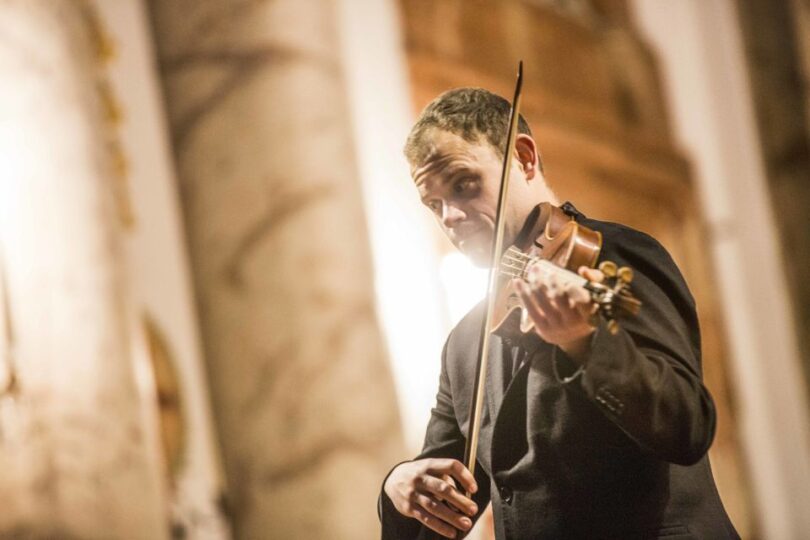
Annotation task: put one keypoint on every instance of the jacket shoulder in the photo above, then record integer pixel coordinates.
(657, 276)
(641, 252)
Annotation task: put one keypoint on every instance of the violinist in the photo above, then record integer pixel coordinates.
(586, 432)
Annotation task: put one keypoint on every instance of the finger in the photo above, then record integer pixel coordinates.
(452, 481)
(443, 491)
(546, 281)
(576, 307)
(568, 309)
(548, 305)
(591, 274)
(444, 512)
(555, 285)
(456, 469)
(578, 295)
(535, 274)
(449, 479)
(573, 296)
(433, 523)
(532, 309)
(590, 312)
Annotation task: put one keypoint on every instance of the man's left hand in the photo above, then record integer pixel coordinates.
(562, 312)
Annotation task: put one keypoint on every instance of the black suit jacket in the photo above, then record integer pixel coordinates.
(615, 450)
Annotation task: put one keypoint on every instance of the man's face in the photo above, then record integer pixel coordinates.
(459, 184)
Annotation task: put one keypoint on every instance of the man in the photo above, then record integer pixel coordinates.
(585, 434)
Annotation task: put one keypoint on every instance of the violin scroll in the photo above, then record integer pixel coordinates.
(613, 296)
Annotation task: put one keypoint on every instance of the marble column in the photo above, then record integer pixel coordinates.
(302, 392)
(777, 68)
(78, 453)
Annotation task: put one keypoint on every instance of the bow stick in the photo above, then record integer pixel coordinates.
(497, 250)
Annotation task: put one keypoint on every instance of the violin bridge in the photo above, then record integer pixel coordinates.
(514, 262)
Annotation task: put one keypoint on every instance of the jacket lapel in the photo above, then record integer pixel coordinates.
(495, 382)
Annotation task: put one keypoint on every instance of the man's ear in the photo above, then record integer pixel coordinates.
(526, 150)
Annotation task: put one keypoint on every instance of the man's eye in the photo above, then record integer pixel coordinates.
(463, 185)
(434, 205)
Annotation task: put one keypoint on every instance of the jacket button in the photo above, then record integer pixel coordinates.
(506, 494)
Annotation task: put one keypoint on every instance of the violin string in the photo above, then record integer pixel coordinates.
(515, 262)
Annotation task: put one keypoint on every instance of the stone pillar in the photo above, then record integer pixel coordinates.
(302, 392)
(78, 457)
(773, 39)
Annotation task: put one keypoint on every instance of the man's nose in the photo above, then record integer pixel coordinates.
(451, 215)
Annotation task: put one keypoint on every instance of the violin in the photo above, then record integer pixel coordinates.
(551, 243)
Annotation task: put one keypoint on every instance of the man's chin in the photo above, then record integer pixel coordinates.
(480, 261)
(478, 255)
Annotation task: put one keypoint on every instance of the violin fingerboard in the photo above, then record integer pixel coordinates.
(543, 268)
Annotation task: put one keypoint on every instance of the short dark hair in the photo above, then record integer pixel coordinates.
(470, 113)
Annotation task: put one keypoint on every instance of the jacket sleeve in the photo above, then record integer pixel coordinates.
(647, 377)
(443, 439)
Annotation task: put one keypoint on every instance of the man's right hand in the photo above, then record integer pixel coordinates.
(426, 490)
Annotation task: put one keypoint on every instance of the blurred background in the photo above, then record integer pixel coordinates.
(222, 307)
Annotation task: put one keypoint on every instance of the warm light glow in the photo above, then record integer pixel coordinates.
(409, 296)
(464, 284)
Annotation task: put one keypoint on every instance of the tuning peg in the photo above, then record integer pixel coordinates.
(608, 268)
(625, 275)
(613, 327)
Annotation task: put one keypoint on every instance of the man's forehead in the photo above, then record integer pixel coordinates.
(443, 148)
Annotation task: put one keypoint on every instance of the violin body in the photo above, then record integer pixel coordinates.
(556, 237)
